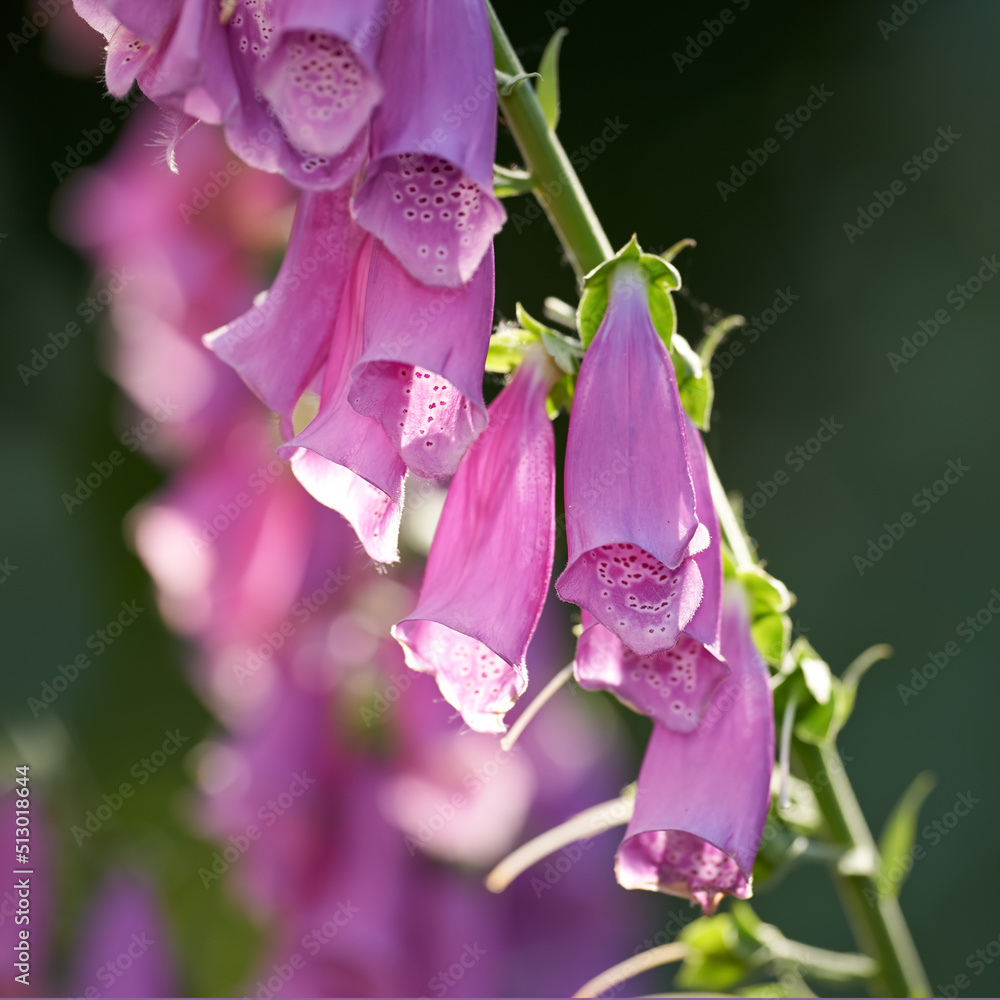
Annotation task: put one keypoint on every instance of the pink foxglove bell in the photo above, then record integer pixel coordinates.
(632, 524)
(428, 192)
(421, 373)
(702, 797)
(491, 560)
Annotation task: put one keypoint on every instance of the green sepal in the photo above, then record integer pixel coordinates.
(694, 383)
(547, 88)
(565, 351)
(561, 396)
(663, 278)
(507, 347)
(669, 254)
(506, 83)
(899, 834)
(770, 627)
(713, 961)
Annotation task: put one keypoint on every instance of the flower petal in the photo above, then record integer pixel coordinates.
(421, 372)
(489, 566)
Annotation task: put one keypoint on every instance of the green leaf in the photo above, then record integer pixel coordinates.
(713, 961)
(767, 594)
(547, 88)
(899, 833)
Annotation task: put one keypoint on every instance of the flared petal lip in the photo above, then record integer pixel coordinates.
(493, 721)
(679, 888)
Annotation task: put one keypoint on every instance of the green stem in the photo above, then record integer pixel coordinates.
(555, 182)
(878, 922)
(879, 925)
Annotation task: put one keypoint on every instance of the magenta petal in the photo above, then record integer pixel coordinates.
(489, 566)
(421, 373)
(707, 620)
(321, 87)
(127, 55)
(344, 459)
(702, 798)
(672, 687)
(428, 193)
(148, 20)
(631, 521)
(280, 344)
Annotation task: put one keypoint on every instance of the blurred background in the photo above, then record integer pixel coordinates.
(861, 251)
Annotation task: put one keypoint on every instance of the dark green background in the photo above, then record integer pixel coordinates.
(826, 357)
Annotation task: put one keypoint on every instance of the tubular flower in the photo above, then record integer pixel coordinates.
(279, 345)
(489, 566)
(344, 459)
(428, 191)
(424, 386)
(702, 798)
(293, 92)
(671, 686)
(631, 518)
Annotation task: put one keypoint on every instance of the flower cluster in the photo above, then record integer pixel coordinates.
(343, 805)
(378, 324)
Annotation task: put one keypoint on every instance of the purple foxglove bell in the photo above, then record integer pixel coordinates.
(279, 345)
(322, 87)
(344, 459)
(489, 566)
(631, 520)
(672, 687)
(428, 193)
(702, 797)
(421, 373)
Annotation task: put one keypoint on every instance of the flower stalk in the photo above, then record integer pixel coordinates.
(880, 927)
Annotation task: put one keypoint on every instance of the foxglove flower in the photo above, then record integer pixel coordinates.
(671, 686)
(292, 92)
(428, 192)
(489, 566)
(702, 797)
(421, 372)
(342, 458)
(279, 345)
(631, 519)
